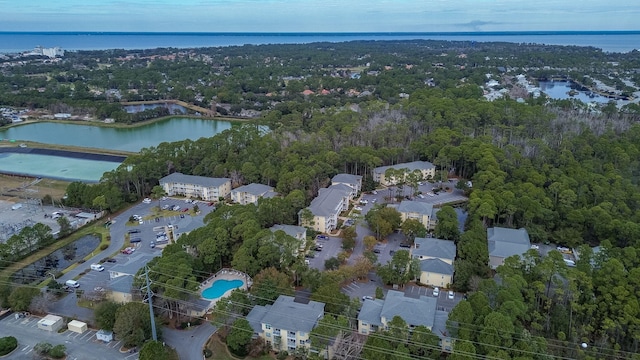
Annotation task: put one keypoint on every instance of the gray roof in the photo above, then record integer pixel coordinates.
(288, 315)
(370, 312)
(436, 266)
(255, 317)
(411, 166)
(291, 230)
(408, 206)
(192, 179)
(504, 242)
(254, 189)
(326, 202)
(121, 284)
(346, 189)
(435, 248)
(413, 311)
(347, 178)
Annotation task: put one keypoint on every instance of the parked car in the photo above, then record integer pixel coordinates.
(436, 291)
(185, 209)
(175, 208)
(152, 244)
(451, 295)
(134, 231)
(165, 207)
(405, 245)
(364, 201)
(128, 250)
(421, 196)
(322, 237)
(374, 192)
(534, 246)
(367, 298)
(146, 201)
(357, 208)
(97, 267)
(135, 240)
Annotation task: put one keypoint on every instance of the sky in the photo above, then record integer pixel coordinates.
(318, 15)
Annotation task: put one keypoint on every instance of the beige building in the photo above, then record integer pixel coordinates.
(505, 242)
(249, 194)
(427, 169)
(376, 314)
(436, 260)
(352, 181)
(423, 212)
(196, 187)
(326, 208)
(286, 324)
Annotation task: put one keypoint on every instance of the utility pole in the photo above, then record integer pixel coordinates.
(154, 335)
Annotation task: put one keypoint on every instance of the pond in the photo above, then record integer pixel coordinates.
(560, 90)
(56, 261)
(127, 139)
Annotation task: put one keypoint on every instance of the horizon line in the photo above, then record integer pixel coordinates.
(337, 33)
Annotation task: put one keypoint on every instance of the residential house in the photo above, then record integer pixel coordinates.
(286, 324)
(421, 211)
(249, 194)
(201, 187)
(505, 242)
(436, 260)
(376, 314)
(326, 207)
(352, 181)
(427, 169)
(297, 232)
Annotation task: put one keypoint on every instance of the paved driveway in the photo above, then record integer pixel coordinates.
(79, 346)
(189, 343)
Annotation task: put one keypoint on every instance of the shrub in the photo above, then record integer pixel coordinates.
(207, 353)
(7, 345)
(104, 246)
(57, 352)
(282, 355)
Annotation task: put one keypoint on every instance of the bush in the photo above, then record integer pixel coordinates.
(282, 355)
(207, 353)
(57, 352)
(104, 246)
(7, 345)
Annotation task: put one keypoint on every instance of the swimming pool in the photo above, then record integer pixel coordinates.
(219, 287)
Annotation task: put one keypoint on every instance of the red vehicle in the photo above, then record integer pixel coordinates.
(185, 209)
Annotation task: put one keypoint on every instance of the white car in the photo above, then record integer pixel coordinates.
(364, 201)
(535, 247)
(374, 192)
(421, 196)
(451, 295)
(358, 208)
(436, 291)
(146, 201)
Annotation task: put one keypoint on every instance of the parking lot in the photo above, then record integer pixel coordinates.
(79, 346)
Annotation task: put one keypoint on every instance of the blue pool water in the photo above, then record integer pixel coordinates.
(219, 287)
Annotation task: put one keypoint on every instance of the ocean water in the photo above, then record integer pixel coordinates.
(14, 42)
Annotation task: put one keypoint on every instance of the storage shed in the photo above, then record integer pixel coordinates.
(104, 335)
(77, 326)
(51, 323)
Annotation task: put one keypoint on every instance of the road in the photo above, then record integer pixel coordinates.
(189, 343)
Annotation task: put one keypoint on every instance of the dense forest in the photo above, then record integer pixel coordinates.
(566, 174)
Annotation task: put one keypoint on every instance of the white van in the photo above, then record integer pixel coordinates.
(97, 267)
(72, 283)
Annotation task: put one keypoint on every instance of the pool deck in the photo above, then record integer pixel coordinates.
(226, 274)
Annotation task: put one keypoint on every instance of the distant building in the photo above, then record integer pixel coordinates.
(421, 211)
(436, 260)
(427, 169)
(376, 314)
(297, 232)
(504, 242)
(286, 324)
(326, 208)
(249, 194)
(205, 188)
(352, 181)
